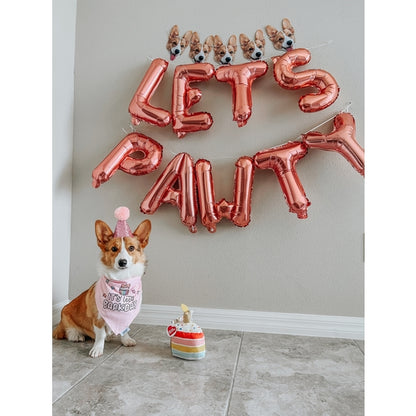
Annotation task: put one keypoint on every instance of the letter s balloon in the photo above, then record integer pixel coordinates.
(322, 80)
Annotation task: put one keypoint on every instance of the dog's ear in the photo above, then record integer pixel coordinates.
(209, 41)
(259, 36)
(217, 42)
(286, 25)
(174, 32)
(232, 41)
(186, 38)
(142, 232)
(208, 44)
(103, 233)
(244, 40)
(194, 39)
(271, 32)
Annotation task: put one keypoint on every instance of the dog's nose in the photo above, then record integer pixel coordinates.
(200, 58)
(227, 59)
(122, 262)
(289, 42)
(258, 54)
(176, 51)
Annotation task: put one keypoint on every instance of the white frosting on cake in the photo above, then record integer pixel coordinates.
(187, 327)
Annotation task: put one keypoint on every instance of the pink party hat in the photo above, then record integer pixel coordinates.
(122, 214)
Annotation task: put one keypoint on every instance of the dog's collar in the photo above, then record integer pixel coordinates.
(120, 282)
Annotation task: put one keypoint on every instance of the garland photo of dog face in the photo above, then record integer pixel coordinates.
(176, 44)
(199, 52)
(284, 39)
(225, 54)
(253, 50)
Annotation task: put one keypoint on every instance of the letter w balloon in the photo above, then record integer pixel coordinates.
(237, 211)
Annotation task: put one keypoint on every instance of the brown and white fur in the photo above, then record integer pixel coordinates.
(199, 52)
(176, 44)
(225, 54)
(253, 50)
(121, 259)
(282, 39)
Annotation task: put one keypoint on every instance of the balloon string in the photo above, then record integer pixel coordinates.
(320, 45)
(328, 42)
(343, 110)
(132, 128)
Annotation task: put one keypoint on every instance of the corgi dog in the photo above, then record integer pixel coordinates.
(111, 303)
(225, 54)
(199, 52)
(282, 39)
(176, 44)
(253, 50)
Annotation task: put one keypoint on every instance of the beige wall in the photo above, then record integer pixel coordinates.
(277, 263)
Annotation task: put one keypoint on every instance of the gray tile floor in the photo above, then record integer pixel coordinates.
(241, 374)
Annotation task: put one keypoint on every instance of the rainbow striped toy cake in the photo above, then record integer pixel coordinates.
(187, 339)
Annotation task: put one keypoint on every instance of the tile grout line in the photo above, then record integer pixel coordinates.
(358, 346)
(90, 372)
(234, 374)
(85, 376)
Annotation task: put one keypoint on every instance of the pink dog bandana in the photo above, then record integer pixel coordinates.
(118, 302)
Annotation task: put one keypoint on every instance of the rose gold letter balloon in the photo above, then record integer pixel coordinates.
(241, 77)
(237, 211)
(175, 186)
(183, 97)
(121, 158)
(322, 80)
(139, 107)
(282, 160)
(341, 140)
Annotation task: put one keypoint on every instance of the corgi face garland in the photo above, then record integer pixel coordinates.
(225, 54)
(176, 44)
(198, 51)
(181, 178)
(282, 39)
(253, 49)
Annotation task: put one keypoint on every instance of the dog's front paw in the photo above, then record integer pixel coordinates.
(127, 341)
(96, 351)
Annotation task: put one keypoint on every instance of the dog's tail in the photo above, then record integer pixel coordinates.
(59, 331)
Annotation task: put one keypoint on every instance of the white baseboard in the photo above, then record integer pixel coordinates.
(251, 321)
(255, 321)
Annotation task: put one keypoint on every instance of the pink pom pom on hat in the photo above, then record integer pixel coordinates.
(122, 214)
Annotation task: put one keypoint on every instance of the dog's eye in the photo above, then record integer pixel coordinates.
(222, 53)
(251, 49)
(231, 52)
(131, 248)
(197, 50)
(114, 249)
(174, 43)
(281, 39)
